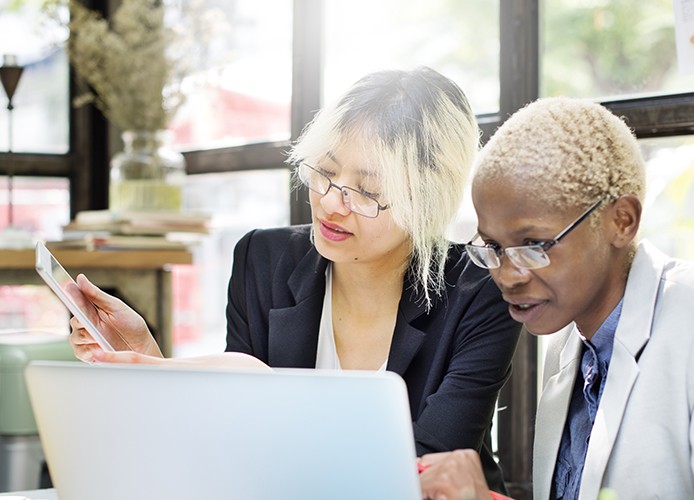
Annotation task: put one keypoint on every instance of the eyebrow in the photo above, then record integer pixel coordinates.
(359, 171)
(518, 233)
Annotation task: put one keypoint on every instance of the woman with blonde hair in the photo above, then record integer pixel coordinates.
(372, 283)
(559, 191)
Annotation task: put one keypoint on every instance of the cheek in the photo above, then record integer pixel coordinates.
(386, 230)
(494, 273)
(569, 281)
(313, 201)
(384, 236)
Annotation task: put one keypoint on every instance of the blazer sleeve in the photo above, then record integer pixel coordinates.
(238, 329)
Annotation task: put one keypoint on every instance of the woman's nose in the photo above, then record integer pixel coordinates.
(332, 202)
(509, 276)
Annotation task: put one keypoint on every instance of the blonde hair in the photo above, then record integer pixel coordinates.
(418, 130)
(568, 152)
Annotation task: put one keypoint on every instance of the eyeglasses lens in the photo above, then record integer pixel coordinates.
(484, 257)
(357, 202)
(528, 257)
(524, 257)
(353, 199)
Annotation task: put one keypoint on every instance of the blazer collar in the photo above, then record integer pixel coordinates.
(552, 411)
(407, 340)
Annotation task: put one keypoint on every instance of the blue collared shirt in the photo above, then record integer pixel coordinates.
(590, 382)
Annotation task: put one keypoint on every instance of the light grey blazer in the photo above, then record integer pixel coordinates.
(642, 439)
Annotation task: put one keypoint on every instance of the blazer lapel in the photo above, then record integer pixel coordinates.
(551, 413)
(293, 331)
(407, 340)
(633, 332)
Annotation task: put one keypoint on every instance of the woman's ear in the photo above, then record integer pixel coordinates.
(625, 214)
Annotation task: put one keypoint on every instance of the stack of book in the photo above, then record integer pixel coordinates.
(156, 230)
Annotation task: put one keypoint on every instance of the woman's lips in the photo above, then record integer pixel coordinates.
(526, 312)
(333, 232)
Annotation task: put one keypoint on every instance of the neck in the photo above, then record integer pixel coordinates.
(605, 301)
(364, 287)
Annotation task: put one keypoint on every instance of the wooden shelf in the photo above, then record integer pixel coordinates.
(113, 259)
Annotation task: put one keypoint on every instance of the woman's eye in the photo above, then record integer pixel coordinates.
(494, 246)
(326, 173)
(370, 194)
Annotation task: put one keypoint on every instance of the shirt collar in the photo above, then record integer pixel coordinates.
(603, 340)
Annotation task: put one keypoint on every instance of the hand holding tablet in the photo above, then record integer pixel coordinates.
(62, 284)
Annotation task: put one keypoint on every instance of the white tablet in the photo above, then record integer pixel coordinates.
(58, 279)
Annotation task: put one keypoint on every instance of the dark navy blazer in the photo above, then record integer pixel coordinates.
(454, 359)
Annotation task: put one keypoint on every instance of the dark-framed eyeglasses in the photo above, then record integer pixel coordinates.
(357, 201)
(524, 256)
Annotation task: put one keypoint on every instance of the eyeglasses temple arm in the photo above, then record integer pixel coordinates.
(580, 219)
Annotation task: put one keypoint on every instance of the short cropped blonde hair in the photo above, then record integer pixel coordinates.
(419, 132)
(568, 152)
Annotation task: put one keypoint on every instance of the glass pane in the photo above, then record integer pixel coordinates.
(668, 220)
(40, 205)
(459, 39)
(32, 307)
(609, 48)
(40, 119)
(238, 88)
(238, 202)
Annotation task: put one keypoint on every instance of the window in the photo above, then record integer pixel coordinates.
(668, 219)
(238, 88)
(363, 36)
(238, 202)
(40, 115)
(610, 49)
(40, 205)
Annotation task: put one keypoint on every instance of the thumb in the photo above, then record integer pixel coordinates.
(98, 297)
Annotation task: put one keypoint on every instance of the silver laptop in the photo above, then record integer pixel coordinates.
(116, 432)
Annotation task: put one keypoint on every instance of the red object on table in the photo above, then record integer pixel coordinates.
(499, 496)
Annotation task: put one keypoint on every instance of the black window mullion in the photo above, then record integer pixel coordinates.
(307, 71)
(519, 85)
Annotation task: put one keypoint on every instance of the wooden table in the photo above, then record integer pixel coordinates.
(142, 278)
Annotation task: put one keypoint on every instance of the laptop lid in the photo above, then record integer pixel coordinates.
(141, 432)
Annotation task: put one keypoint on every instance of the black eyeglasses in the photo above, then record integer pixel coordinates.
(524, 256)
(358, 202)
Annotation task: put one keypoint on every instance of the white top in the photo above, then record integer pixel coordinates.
(327, 357)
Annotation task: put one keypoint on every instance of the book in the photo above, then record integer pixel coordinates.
(119, 242)
(155, 230)
(155, 222)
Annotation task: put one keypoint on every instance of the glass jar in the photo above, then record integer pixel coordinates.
(146, 175)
